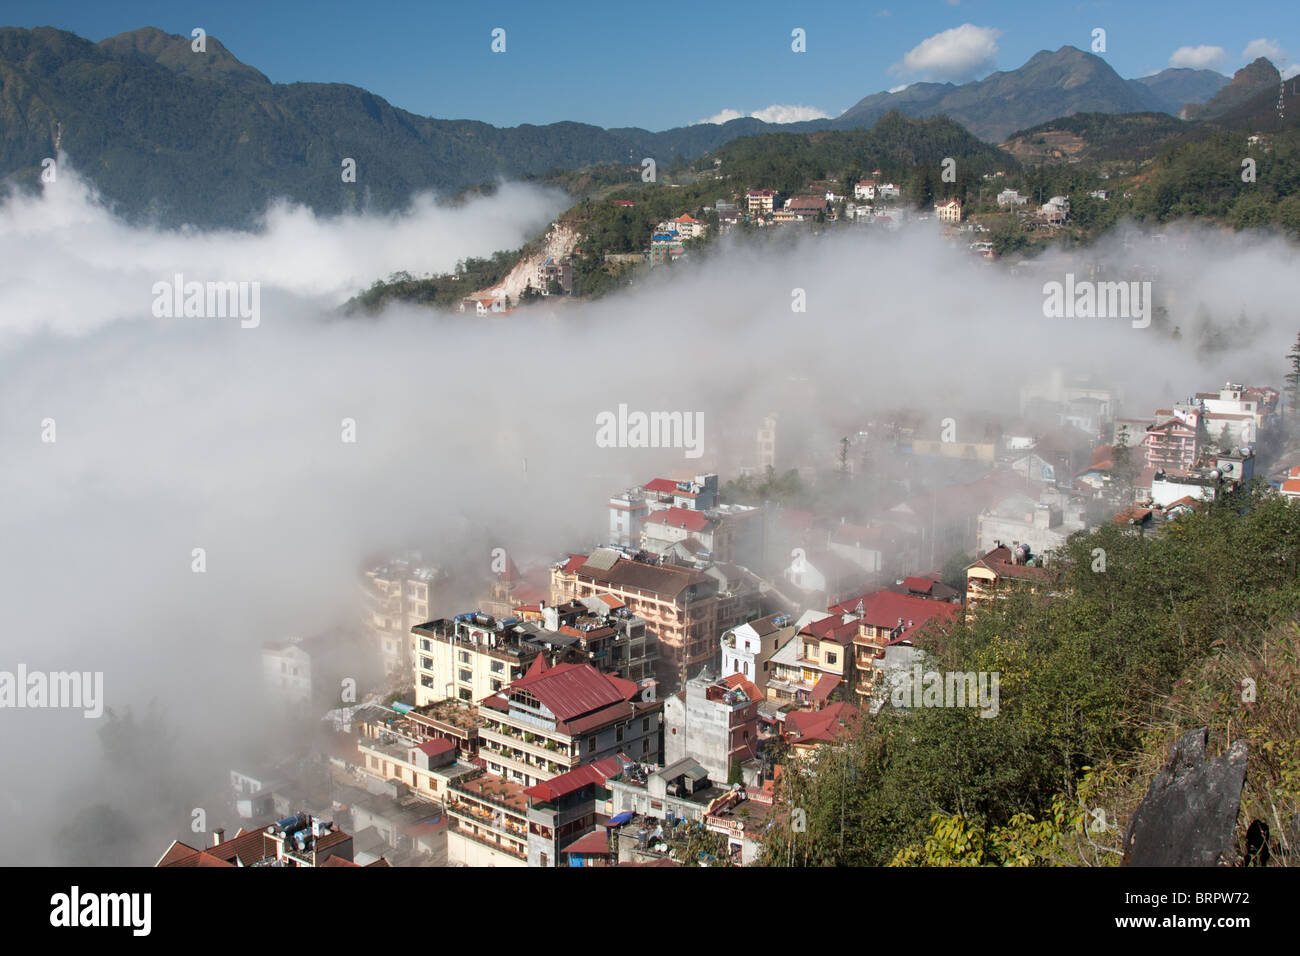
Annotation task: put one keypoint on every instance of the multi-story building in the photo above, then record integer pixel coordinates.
(948, 211)
(664, 247)
(565, 807)
(1044, 522)
(489, 817)
(712, 722)
(685, 609)
(724, 533)
(815, 662)
(472, 656)
(397, 597)
(554, 719)
(999, 572)
(759, 202)
(747, 649)
(767, 443)
(286, 672)
(885, 619)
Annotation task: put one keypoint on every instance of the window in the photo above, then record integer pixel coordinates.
(830, 657)
(464, 657)
(591, 744)
(496, 685)
(426, 663)
(618, 735)
(645, 725)
(498, 667)
(465, 675)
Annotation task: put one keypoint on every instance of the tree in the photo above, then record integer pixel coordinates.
(954, 571)
(1124, 466)
(1293, 376)
(735, 775)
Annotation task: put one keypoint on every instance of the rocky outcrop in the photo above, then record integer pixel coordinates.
(1189, 815)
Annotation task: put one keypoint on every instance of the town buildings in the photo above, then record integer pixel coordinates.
(713, 722)
(554, 719)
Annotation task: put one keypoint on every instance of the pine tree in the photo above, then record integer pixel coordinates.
(1293, 376)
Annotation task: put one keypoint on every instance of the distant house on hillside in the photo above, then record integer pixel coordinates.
(948, 211)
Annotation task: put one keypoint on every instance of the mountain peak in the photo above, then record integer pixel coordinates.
(1248, 82)
(176, 53)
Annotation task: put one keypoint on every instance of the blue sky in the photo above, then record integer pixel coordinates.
(668, 63)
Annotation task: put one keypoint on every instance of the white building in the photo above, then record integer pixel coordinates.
(286, 672)
(866, 189)
(747, 648)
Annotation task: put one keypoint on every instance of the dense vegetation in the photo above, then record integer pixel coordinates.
(1095, 685)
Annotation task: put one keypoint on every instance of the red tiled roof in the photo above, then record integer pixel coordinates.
(999, 562)
(575, 561)
(913, 583)
(661, 484)
(825, 685)
(679, 518)
(177, 851)
(806, 726)
(832, 628)
(438, 745)
(595, 843)
(884, 608)
(1291, 486)
(571, 690)
(574, 780)
(741, 682)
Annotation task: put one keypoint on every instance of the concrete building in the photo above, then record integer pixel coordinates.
(286, 673)
(713, 723)
(999, 572)
(565, 807)
(747, 649)
(759, 202)
(685, 609)
(470, 656)
(555, 719)
(816, 662)
(489, 816)
(398, 593)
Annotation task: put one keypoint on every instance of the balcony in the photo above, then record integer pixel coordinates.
(506, 847)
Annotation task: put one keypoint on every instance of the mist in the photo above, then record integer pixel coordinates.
(180, 433)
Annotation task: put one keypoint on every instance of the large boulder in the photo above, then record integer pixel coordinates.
(1189, 815)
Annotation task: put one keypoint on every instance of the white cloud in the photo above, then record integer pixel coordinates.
(1197, 57)
(775, 113)
(295, 252)
(1291, 71)
(726, 116)
(881, 14)
(959, 54)
(175, 434)
(899, 88)
(1266, 48)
